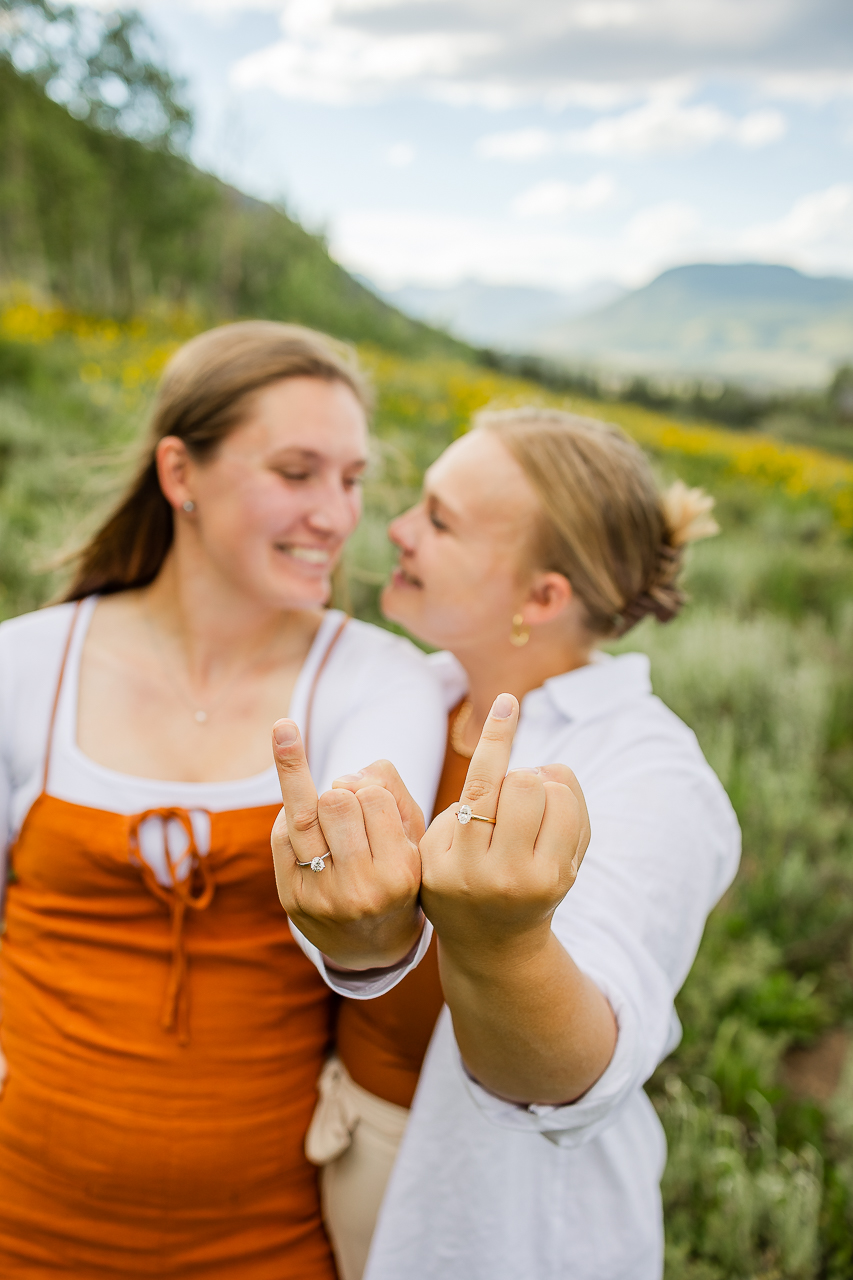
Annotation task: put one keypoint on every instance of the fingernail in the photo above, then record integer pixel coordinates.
(284, 733)
(524, 769)
(350, 777)
(503, 707)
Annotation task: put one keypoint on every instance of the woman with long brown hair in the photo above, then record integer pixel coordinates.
(531, 1149)
(162, 1030)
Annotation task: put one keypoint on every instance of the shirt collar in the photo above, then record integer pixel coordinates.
(599, 688)
(583, 694)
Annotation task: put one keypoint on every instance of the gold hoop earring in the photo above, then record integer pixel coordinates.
(519, 634)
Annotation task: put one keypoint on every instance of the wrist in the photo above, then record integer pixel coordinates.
(493, 959)
(377, 970)
(378, 944)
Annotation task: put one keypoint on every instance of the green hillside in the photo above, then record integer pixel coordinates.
(107, 224)
(746, 322)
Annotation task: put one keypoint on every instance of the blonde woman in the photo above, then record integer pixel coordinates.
(531, 1149)
(162, 1030)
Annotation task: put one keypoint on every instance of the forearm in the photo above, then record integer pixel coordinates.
(531, 1027)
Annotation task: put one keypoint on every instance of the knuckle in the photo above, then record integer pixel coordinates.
(522, 783)
(478, 787)
(374, 795)
(290, 758)
(504, 886)
(559, 773)
(335, 803)
(301, 821)
(559, 790)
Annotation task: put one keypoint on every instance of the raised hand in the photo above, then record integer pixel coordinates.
(361, 906)
(530, 1025)
(493, 886)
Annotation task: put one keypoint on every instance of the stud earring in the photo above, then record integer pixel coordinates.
(519, 634)
(189, 505)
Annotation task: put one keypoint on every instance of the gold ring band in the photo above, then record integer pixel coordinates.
(465, 816)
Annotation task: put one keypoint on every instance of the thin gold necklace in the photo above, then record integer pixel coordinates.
(457, 730)
(200, 714)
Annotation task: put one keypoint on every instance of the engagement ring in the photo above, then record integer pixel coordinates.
(316, 864)
(465, 815)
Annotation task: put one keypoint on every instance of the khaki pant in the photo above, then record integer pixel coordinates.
(354, 1137)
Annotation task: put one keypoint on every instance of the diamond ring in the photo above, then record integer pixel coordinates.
(465, 815)
(316, 864)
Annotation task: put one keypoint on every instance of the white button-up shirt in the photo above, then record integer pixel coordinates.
(484, 1190)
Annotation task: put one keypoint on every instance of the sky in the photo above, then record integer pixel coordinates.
(541, 142)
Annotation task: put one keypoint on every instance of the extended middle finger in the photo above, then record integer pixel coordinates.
(383, 774)
(342, 826)
(521, 808)
(563, 774)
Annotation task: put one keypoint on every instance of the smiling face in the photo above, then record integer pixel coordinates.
(464, 549)
(279, 497)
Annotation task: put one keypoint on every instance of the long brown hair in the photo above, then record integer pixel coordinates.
(203, 395)
(605, 524)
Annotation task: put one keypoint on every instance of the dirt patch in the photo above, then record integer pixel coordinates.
(816, 1072)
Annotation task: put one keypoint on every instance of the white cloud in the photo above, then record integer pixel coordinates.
(517, 144)
(400, 246)
(400, 155)
(396, 247)
(666, 125)
(501, 52)
(815, 88)
(664, 228)
(606, 13)
(760, 127)
(816, 233)
(551, 199)
(323, 59)
(663, 124)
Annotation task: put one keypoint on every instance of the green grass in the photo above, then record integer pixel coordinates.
(759, 1183)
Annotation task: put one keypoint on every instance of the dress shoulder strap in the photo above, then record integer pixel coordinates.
(315, 682)
(49, 747)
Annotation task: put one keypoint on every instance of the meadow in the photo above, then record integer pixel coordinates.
(757, 1101)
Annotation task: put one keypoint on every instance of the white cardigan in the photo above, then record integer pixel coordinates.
(377, 697)
(484, 1190)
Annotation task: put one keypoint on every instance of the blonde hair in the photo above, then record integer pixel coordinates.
(203, 395)
(604, 523)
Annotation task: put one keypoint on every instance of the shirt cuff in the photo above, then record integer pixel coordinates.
(369, 983)
(577, 1122)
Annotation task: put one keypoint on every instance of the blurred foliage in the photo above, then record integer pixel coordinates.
(759, 1181)
(822, 418)
(105, 67)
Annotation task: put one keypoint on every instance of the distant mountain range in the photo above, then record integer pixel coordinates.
(746, 322)
(500, 316)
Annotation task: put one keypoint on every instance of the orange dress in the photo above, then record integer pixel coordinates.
(163, 1047)
(382, 1042)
